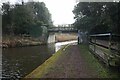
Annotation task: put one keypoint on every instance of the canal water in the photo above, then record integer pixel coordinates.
(60, 44)
(18, 62)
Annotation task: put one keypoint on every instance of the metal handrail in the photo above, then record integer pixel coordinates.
(106, 34)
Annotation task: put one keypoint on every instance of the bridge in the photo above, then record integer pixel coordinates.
(62, 29)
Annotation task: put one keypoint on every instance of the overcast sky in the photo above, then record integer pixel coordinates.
(61, 10)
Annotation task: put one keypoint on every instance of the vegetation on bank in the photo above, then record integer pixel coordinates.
(24, 19)
(21, 41)
(26, 40)
(94, 63)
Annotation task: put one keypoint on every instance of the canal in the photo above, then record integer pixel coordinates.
(18, 62)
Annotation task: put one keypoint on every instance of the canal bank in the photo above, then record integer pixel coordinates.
(72, 61)
(24, 41)
(21, 41)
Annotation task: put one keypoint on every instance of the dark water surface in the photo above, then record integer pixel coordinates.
(18, 62)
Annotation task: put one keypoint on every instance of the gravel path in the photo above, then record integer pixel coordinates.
(71, 64)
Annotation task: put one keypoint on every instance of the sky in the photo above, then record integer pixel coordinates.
(61, 10)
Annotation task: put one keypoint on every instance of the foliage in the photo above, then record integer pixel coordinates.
(97, 17)
(22, 19)
(25, 18)
(6, 18)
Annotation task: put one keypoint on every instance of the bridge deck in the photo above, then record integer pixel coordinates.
(63, 29)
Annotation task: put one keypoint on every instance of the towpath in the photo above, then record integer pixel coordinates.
(71, 64)
(72, 61)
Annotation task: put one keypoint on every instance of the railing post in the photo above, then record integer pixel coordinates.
(110, 37)
(95, 44)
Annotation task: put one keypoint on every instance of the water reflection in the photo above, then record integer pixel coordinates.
(60, 44)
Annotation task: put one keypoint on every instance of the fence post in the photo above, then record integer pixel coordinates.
(95, 44)
(110, 42)
(108, 59)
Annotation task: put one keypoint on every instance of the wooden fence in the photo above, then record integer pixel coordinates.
(106, 47)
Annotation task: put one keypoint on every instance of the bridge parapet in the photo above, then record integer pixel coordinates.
(66, 29)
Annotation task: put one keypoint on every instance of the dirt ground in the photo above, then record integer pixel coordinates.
(71, 64)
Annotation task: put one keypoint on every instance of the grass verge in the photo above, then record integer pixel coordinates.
(45, 67)
(102, 71)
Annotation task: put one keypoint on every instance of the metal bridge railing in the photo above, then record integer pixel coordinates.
(62, 29)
